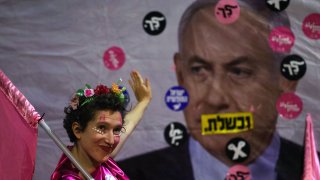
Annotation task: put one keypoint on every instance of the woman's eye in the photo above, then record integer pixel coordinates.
(117, 131)
(101, 127)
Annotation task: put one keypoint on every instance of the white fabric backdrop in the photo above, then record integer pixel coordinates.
(49, 49)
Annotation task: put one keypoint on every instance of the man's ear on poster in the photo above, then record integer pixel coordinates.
(177, 62)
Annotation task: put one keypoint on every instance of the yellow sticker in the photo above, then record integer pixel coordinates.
(226, 123)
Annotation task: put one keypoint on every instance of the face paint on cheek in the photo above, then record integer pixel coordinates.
(97, 130)
(116, 142)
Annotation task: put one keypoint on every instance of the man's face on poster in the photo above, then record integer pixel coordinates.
(227, 69)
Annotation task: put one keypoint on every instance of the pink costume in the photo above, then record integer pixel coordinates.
(108, 170)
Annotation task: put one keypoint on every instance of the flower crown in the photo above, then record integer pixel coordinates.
(90, 94)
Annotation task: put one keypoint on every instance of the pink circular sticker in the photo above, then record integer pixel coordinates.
(289, 105)
(114, 58)
(281, 39)
(311, 26)
(238, 172)
(227, 11)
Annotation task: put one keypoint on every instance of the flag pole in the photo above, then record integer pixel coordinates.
(65, 150)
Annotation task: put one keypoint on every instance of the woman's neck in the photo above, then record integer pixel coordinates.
(83, 159)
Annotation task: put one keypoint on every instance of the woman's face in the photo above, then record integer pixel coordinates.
(101, 136)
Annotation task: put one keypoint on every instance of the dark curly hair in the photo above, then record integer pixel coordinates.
(84, 114)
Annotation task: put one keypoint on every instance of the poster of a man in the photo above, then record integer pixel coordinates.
(227, 68)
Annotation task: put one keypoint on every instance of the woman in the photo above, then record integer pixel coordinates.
(94, 123)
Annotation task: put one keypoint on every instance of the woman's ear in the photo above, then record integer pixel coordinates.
(76, 128)
(287, 85)
(178, 66)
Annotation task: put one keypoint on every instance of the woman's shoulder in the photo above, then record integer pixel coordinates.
(114, 169)
(65, 169)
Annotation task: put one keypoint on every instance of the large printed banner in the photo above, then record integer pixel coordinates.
(232, 80)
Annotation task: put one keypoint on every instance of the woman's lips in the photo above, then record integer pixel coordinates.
(106, 149)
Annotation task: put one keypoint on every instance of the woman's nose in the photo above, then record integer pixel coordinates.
(109, 137)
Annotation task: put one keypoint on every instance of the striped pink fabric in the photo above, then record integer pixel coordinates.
(18, 132)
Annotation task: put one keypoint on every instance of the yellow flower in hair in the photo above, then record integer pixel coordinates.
(115, 89)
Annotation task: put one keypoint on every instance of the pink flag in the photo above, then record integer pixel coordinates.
(18, 132)
(311, 160)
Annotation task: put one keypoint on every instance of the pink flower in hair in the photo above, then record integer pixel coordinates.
(88, 92)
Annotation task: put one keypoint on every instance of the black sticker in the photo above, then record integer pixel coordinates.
(293, 67)
(277, 5)
(154, 23)
(238, 150)
(175, 134)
